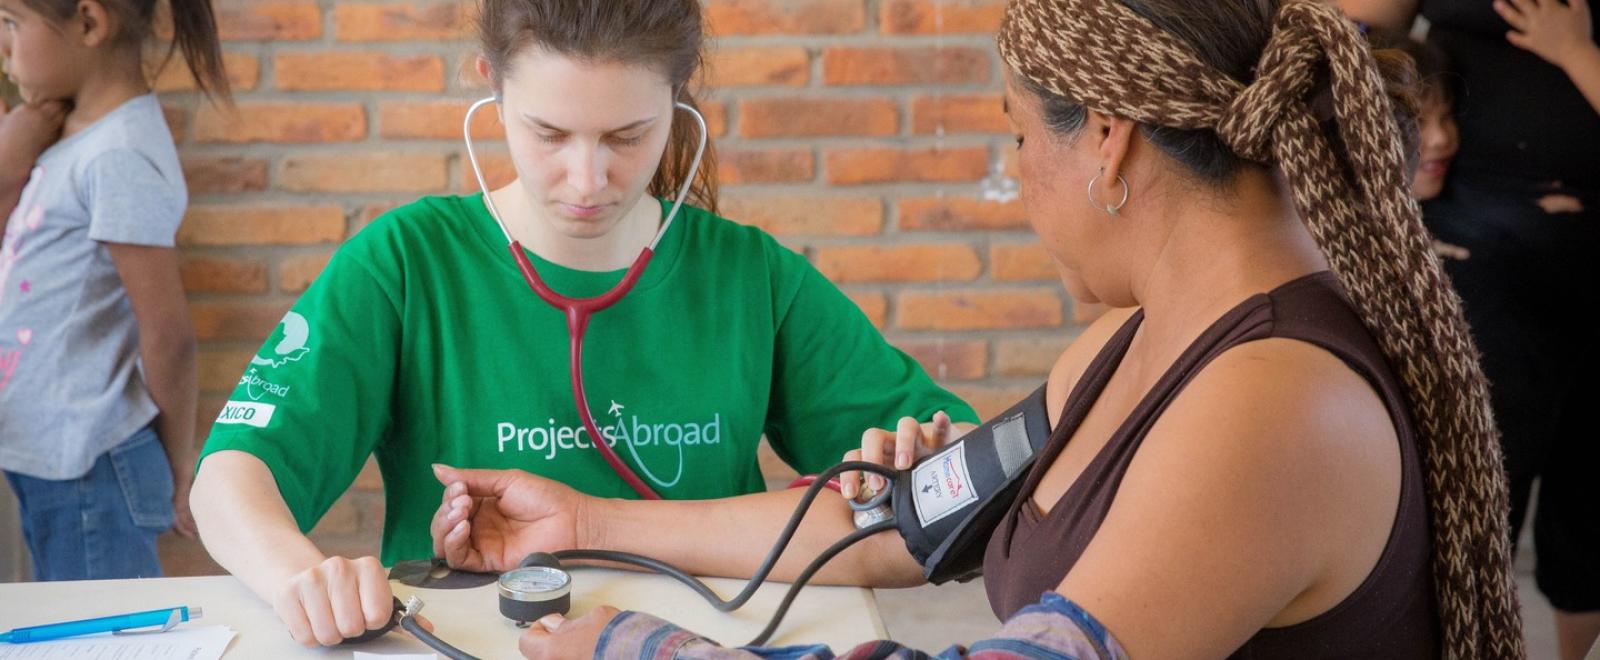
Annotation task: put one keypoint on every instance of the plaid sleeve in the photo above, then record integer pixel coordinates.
(1054, 628)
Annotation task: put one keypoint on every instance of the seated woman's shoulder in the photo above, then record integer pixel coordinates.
(1288, 396)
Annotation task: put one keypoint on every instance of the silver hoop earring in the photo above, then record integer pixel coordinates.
(1108, 208)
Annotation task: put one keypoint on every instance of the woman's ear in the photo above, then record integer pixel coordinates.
(485, 73)
(92, 24)
(1115, 135)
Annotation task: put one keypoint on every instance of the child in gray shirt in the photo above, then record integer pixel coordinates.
(97, 355)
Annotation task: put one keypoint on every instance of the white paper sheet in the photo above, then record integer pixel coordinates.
(185, 643)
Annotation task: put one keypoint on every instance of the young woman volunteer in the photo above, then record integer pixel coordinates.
(422, 342)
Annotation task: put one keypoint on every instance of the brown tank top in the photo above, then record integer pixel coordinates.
(1390, 615)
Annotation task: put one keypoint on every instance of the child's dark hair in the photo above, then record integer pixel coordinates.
(194, 29)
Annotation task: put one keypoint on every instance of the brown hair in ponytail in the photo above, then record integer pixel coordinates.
(665, 34)
(194, 34)
(1220, 86)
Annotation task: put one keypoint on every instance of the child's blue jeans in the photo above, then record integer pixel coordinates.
(104, 524)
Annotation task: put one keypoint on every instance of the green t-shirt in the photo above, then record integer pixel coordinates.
(420, 343)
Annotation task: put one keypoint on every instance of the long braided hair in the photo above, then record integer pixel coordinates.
(1355, 201)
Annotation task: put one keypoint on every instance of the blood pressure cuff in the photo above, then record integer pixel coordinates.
(948, 504)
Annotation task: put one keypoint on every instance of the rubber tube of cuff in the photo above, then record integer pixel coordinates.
(411, 625)
(760, 576)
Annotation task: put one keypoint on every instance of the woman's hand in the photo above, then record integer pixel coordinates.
(1555, 31)
(556, 637)
(335, 600)
(902, 445)
(489, 520)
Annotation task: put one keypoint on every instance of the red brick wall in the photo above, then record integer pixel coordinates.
(857, 131)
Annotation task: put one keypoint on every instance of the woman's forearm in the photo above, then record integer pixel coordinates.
(245, 524)
(730, 537)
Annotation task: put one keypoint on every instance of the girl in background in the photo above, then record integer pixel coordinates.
(97, 355)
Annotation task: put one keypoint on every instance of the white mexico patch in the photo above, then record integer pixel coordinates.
(942, 485)
(248, 413)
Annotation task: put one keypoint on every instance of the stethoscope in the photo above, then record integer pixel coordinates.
(580, 310)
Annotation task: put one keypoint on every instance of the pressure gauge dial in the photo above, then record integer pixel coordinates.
(529, 593)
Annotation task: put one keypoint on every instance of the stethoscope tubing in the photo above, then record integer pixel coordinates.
(578, 311)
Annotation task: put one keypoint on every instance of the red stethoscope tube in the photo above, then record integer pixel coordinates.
(579, 311)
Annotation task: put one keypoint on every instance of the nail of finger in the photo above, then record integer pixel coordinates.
(902, 460)
(552, 621)
(459, 529)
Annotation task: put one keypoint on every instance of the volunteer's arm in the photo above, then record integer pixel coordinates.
(491, 519)
(248, 529)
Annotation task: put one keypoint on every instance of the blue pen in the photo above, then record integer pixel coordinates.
(165, 618)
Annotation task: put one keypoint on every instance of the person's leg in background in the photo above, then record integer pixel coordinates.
(1566, 525)
(102, 525)
(1524, 283)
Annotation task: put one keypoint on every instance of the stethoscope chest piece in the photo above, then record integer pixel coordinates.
(538, 588)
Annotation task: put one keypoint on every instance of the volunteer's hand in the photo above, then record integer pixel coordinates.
(489, 520)
(902, 446)
(335, 600)
(1553, 30)
(556, 637)
(25, 132)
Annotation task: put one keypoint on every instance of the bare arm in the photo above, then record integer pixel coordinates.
(1560, 34)
(245, 524)
(1392, 14)
(1262, 497)
(1584, 69)
(248, 529)
(167, 353)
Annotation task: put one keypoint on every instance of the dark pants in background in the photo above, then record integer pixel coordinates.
(1530, 277)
